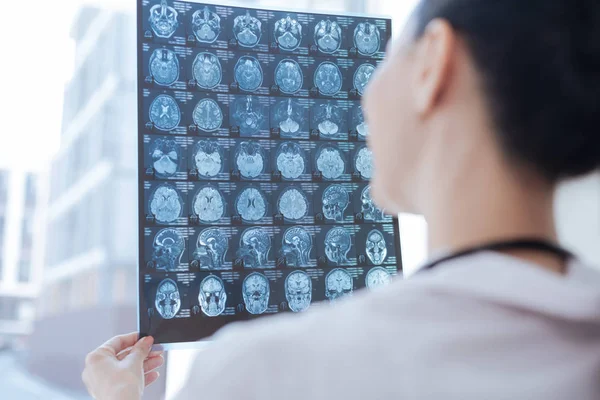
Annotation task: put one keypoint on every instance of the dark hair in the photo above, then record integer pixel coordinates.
(540, 66)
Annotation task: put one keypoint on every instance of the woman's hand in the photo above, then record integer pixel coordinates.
(121, 368)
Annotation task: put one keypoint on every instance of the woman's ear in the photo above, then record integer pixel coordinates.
(432, 65)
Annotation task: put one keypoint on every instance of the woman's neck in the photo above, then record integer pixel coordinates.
(492, 205)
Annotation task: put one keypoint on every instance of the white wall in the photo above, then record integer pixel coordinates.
(578, 217)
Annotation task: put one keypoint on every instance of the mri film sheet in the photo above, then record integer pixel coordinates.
(254, 171)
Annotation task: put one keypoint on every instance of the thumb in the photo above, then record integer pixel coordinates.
(141, 349)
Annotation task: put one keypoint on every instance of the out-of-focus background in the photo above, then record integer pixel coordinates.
(68, 189)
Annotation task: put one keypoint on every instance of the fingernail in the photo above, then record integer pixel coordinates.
(148, 341)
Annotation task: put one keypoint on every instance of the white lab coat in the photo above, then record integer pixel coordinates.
(487, 326)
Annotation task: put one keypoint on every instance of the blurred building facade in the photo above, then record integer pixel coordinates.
(88, 292)
(19, 283)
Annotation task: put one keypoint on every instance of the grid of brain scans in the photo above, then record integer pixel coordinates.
(254, 167)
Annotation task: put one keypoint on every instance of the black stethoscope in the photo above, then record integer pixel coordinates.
(539, 245)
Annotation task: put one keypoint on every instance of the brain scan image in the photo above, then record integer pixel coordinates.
(337, 245)
(328, 78)
(247, 30)
(251, 205)
(290, 160)
(248, 73)
(288, 76)
(367, 38)
(163, 20)
(250, 159)
(298, 291)
(256, 291)
(168, 248)
(165, 157)
(338, 284)
(293, 204)
(255, 245)
(207, 70)
(207, 115)
(328, 36)
(358, 119)
(376, 247)
(206, 25)
(211, 248)
(362, 76)
(370, 211)
(288, 33)
(330, 162)
(289, 116)
(328, 118)
(167, 300)
(165, 204)
(248, 115)
(296, 246)
(377, 277)
(209, 204)
(208, 158)
(363, 162)
(212, 296)
(335, 201)
(164, 67)
(164, 112)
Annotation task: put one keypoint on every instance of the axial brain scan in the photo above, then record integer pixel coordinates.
(164, 67)
(251, 205)
(250, 159)
(328, 78)
(207, 115)
(256, 291)
(370, 211)
(163, 20)
(212, 296)
(208, 158)
(168, 249)
(165, 157)
(288, 33)
(206, 25)
(248, 73)
(207, 70)
(166, 204)
(289, 116)
(362, 76)
(288, 76)
(328, 36)
(338, 284)
(293, 204)
(364, 162)
(211, 247)
(248, 115)
(367, 38)
(296, 246)
(164, 112)
(378, 277)
(337, 245)
(247, 30)
(328, 118)
(298, 291)
(290, 160)
(255, 245)
(209, 204)
(330, 162)
(335, 201)
(376, 247)
(167, 300)
(359, 122)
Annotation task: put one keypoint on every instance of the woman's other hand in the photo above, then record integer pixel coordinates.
(121, 368)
